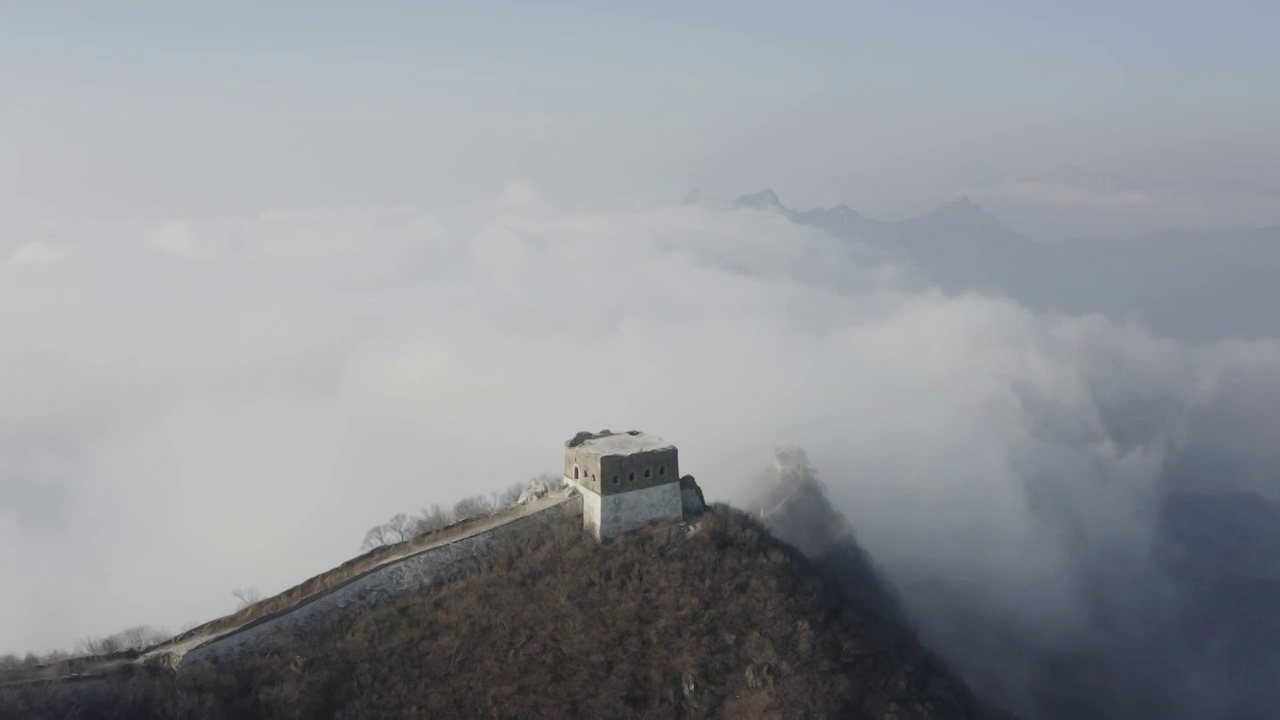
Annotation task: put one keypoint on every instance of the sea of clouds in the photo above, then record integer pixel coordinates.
(193, 405)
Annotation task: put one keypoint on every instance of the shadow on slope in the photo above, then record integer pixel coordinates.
(1191, 633)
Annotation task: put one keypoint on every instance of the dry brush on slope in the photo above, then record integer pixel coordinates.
(724, 622)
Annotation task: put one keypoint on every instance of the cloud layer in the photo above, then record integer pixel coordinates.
(1071, 202)
(192, 406)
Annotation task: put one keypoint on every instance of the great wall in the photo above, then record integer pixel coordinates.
(382, 575)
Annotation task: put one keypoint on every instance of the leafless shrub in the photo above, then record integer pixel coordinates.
(402, 527)
(473, 507)
(245, 597)
(94, 645)
(399, 528)
(143, 636)
(553, 481)
(508, 497)
(727, 622)
(134, 638)
(431, 519)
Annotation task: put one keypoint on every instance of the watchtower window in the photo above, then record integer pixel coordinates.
(615, 479)
(648, 472)
(575, 472)
(662, 469)
(631, 477)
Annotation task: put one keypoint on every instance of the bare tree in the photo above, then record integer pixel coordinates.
(553, 481)
(511, 495)
(404, 527)
(143, 636)
(399, 528)
(473, 507)
(94, 645)
(246, 597)
(432, 519)
(135, 638)
(376, 537)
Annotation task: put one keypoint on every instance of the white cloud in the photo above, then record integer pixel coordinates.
(36, 252)
(181, 239)
(242, 423)
(521, 195)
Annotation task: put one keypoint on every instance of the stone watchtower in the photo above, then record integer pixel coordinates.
(626, 480)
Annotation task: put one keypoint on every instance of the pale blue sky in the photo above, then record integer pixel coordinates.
(162, 109)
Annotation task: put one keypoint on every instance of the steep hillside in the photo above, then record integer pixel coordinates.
(720, 619)
(1192, 635)
(369, 579)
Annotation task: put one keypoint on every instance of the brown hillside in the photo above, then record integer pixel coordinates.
(727, 622)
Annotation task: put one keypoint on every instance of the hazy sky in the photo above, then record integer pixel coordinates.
(164, 109)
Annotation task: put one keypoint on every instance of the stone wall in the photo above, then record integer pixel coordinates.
(628, 473)
(377, 588)
(583, 467)
(610, 474)
(609, 515)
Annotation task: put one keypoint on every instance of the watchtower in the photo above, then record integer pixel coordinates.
(626, 479)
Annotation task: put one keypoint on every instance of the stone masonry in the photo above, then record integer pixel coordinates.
(627, 480)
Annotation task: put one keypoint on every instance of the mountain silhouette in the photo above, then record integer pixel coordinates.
(1196, 287)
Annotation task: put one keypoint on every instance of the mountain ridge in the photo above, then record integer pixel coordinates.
(1168, 281)
(844, 221)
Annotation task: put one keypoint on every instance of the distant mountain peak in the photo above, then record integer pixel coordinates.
(841, 214)
(766, 199)
(962, 205)
(964, 210)
(693, 198)
(958, 219)
(840, 220)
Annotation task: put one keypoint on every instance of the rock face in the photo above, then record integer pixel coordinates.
(691, 496)
(535, 490)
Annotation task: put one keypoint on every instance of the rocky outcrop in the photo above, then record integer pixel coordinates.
(691, 496)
